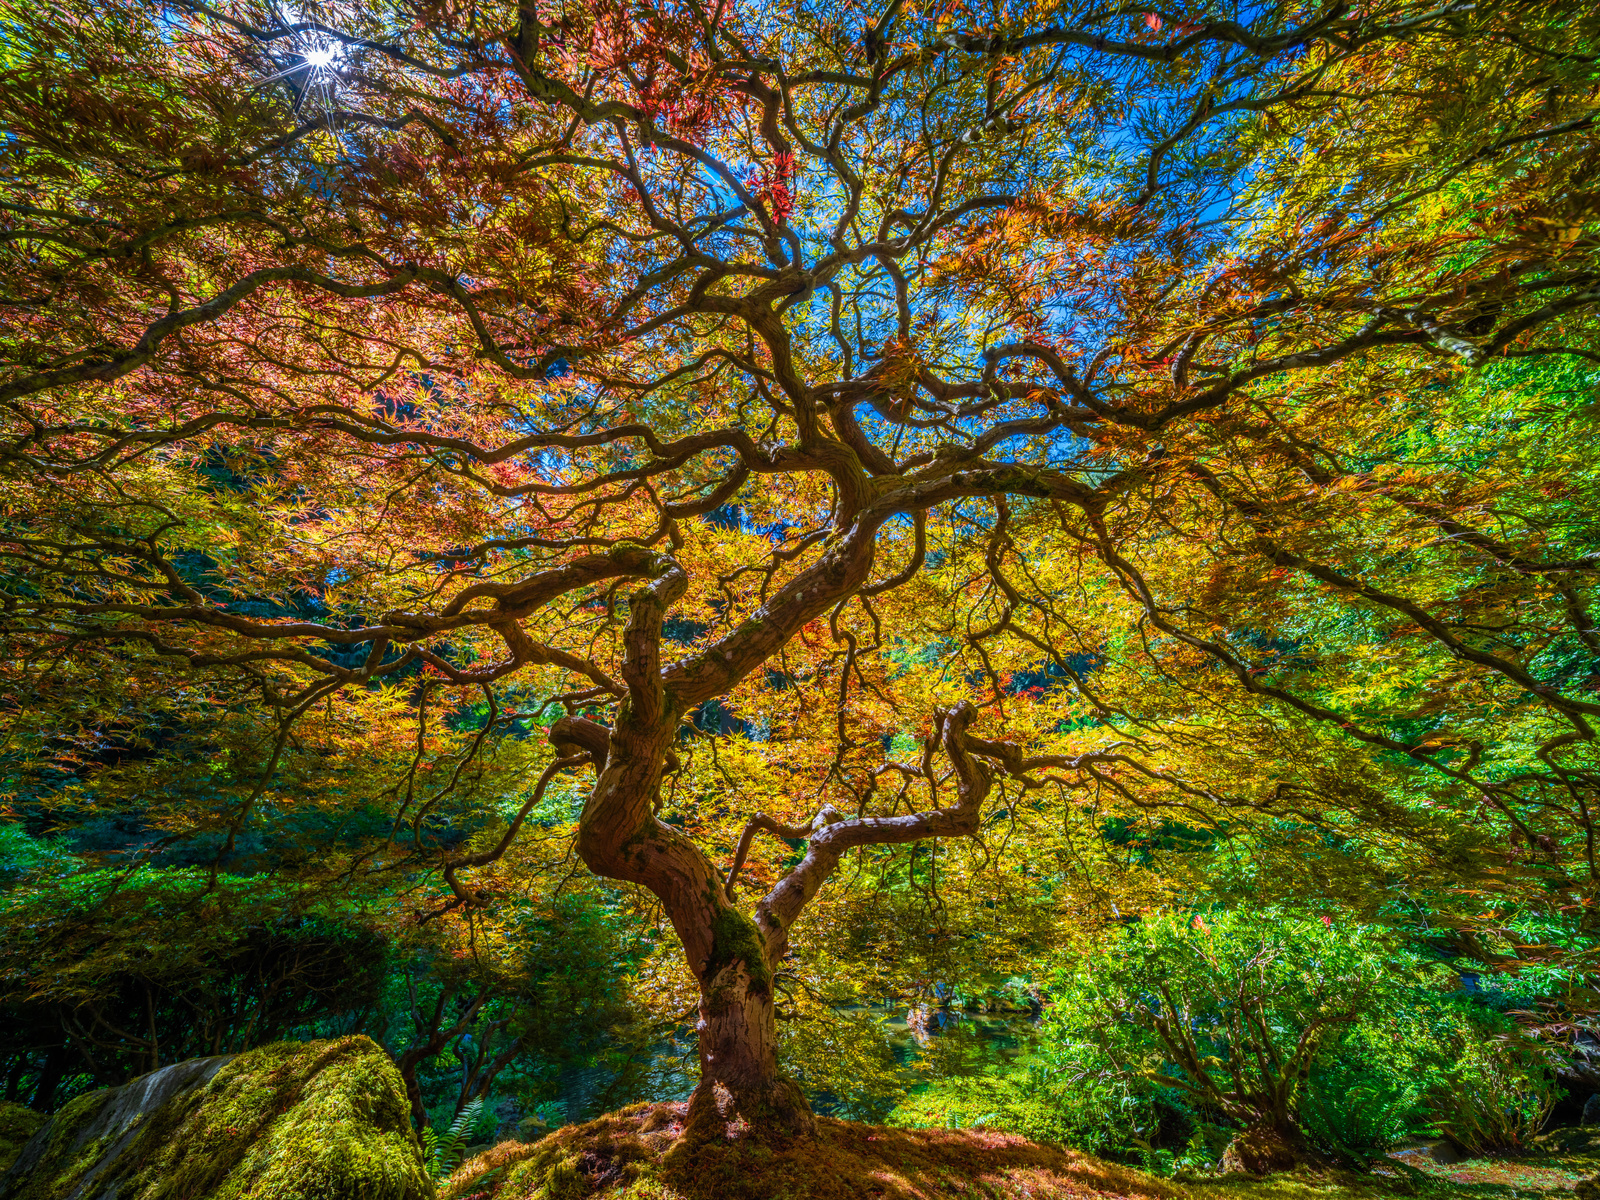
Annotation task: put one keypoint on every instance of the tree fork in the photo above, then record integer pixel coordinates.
(620, 837)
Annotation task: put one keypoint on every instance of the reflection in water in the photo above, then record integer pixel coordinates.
(1005, 1035)
(933, 1044)
(930, 1044)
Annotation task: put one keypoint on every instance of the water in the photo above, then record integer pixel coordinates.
(945, 1043)
(995, 1039)
(950, 1043)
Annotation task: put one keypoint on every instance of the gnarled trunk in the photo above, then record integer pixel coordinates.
(1266, 1149)
(737, 1027)
(732, 956)
(621, 837)
(738, 1031)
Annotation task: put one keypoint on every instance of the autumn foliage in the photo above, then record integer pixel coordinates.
(754, 445)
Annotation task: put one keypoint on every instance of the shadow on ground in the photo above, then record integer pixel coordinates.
(624, 1155)
(1562, 1166)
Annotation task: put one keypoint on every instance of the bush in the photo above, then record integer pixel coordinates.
(1139, 1126)
(1496, 1094)
(1157, 1048)
(1230, 1012)
(1002, 1101)
(1478, 1078)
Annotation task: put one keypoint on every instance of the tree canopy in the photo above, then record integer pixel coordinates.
(727, 442)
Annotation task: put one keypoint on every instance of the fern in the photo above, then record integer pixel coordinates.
(443, 1151)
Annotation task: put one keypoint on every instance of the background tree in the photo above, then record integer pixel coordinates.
(1232, 1012)
(384, 382)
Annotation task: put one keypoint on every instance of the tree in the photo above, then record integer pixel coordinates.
(1230, 1011)
(110, 975)
(381, 381)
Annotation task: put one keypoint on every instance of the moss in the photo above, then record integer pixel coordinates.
(290, 1121)
(563, 1181)
(64, 1160)
(604, 1155)
(633, 844)
(17, 1125)
(625, 1156)
(735, 936)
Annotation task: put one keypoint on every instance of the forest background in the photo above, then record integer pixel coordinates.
(641, 539)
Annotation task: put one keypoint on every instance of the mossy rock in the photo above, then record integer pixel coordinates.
(17, 1125)
(290, 1121)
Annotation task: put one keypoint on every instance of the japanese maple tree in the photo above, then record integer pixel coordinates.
(398, 379)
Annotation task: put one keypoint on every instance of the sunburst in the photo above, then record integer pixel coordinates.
(310, 64)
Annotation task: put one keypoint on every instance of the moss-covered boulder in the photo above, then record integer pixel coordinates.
(291, 1121)
(17, 1125)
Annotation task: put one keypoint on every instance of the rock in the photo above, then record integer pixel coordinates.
(1414, 1153)
(288, 1121)
(78, 1145)
(1578, 1067)
(17, 1125)
(1591, 1111)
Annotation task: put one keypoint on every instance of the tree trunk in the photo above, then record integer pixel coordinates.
(738, 1032)
(55, 1066)
(732, 957)
(1266, 1149)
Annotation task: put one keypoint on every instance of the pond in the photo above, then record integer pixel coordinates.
(930, 1044)
(941, 1043)
(996, 1037)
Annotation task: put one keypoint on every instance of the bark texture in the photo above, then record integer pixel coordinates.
(1263, 1150)
(738, 1033)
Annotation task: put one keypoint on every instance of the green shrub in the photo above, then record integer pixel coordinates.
(1478, 1078)
(1160, 1046)
(1229, 1011)
(1495, 1095)
(1096, 1114)
(998, 1101)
